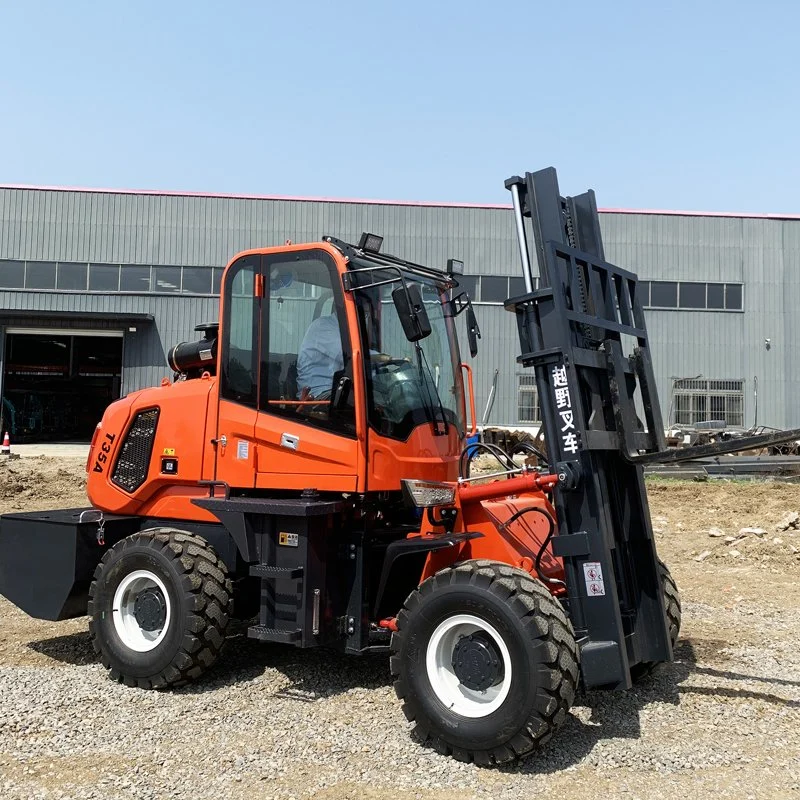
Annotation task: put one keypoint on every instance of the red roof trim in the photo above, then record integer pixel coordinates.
(361, 201)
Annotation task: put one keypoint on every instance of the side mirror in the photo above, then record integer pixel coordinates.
(407, 299)
(473, 331)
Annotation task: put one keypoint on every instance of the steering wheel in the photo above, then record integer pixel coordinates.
(382, 363)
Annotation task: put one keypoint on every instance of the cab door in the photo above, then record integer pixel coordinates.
(237, 409)
(305, 427)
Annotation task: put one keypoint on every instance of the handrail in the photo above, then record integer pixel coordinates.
(474, 428)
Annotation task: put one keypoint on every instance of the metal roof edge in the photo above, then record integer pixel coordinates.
(674, 213)
(363, 201)
(240, 196)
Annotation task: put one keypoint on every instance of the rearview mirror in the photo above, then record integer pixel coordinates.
(407, 300)
(473, 331)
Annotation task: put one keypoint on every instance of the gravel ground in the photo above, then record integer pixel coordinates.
(271, 721)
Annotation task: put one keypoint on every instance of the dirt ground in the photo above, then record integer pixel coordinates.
(32, 484)
(722, 721)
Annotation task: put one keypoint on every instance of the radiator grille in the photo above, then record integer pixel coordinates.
(133, 460)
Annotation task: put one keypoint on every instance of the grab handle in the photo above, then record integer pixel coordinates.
(471, 389)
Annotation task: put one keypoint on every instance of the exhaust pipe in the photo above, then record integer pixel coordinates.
(192, 359)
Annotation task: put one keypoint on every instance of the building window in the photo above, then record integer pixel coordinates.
(196, 280)
(715, 295)
(527, 399)
(40, 275)
(733, 296)
(698, 400)
(494, 289)
(134, 279)
(663, 294)
(103, 277)
(71, 277)
(216, 281)
(12, 274)
(166, 279)
(692, 295)
(468, 284)
(498, 288)
(516, 287)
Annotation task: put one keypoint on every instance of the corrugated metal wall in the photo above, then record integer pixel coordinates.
(716, 344)
(144, 351)
(206, 231)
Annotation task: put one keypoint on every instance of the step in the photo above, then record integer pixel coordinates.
(273, 573)
(265, 634)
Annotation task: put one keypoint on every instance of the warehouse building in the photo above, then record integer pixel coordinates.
(96, 286)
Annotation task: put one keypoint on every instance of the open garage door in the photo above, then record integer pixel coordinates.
(57, 383)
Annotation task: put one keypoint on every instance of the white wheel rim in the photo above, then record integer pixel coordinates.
(454, 695)
(133, 636)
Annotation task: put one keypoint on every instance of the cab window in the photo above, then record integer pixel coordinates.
(306, 362)
(240, 333)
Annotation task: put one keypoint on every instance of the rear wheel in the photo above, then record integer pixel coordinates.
(485, 662)
(158, 608)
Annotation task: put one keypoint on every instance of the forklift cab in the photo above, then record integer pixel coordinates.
(339, 370)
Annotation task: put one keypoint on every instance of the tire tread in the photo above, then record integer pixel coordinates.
(207, 591)
(539, 613)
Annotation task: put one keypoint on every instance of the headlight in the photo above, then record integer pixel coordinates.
(424, 494)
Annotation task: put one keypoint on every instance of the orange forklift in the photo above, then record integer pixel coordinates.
(306, 470)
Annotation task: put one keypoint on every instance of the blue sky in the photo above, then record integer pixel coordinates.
(683, 105)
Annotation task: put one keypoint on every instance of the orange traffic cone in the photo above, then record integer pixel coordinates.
(5, 449)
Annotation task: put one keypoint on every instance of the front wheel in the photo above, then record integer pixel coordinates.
(672, 607)
(159, 605)
(485, 662)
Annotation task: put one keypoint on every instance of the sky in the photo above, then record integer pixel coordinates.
(655, 105)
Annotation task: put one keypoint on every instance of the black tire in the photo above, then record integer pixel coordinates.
(198, 597)
(541, 648)
(672, 604)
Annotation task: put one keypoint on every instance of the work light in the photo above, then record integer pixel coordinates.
(455, 267)
(370, 242)
(424, 494)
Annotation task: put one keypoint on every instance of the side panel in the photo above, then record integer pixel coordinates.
(422, 456)
(295, 456)
(516, 545)
(175, 459)
(236, 439)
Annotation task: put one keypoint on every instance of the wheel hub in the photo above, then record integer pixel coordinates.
(477, 662)
(150, 609)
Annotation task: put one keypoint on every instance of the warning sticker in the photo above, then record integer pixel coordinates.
(242, 449)
(593, 575)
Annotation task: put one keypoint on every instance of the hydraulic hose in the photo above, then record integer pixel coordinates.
(468, 453)
(529, 448)
(551, 530)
